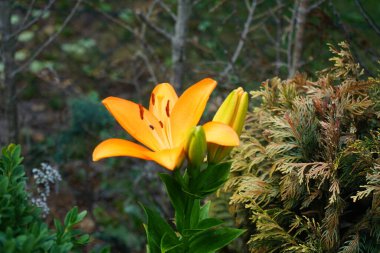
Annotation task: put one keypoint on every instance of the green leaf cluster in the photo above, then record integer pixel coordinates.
(194, 230)
(21, 228)
(306, 176)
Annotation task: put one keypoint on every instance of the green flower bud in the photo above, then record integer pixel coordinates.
(232, 112)
(196, 146)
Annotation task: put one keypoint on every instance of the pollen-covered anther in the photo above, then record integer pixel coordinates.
(167, 108)
(141, 108)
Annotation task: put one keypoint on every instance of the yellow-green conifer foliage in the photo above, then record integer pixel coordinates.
(307, 175)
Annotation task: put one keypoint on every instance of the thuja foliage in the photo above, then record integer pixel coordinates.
(21, 227)
(307, 175)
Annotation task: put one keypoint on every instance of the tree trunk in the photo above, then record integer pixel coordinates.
(178, 42)
(8, 80)
(299, 37)
(279, 29)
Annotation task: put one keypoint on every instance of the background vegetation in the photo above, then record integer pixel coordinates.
(306, 178)
(59, 59)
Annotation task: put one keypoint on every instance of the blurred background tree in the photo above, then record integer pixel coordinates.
(60, 58)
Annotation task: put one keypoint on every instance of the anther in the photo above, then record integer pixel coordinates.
(141, 111)
(153, 99)
(151, 127)
(167, 108)
(161, 124)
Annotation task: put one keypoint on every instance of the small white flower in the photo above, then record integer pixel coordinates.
(44, 178)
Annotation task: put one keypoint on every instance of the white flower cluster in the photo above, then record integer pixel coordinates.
(44, 178)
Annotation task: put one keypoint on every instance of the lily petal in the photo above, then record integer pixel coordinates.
(119, 147)
(161, 104)
(137, 121)
(168, 158)
(221, 134)
(158, 104)
(189, 109)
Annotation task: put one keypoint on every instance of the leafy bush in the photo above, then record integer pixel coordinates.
(308, 173)
(88, 119)
(21, 227)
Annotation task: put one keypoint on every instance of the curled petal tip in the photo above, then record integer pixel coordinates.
(221, 134)
(209, 79)
(108, 99)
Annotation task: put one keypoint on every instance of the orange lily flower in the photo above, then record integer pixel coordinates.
(165, 127)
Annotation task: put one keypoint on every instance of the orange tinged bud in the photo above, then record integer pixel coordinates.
(232, 112)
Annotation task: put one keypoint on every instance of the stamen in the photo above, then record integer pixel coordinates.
(141, 111)
(167, 108)
(157, 134)
(161, 124)
(153, 99)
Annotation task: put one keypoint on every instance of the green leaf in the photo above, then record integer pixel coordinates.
(36, 66)
(25, 36)
(156, 228)
(71, 216)
(213, 177)
(205, 209)
(167, 244)
(203, 225)
(177, 197)
(194, 214)
(209, 223)
(152, 246)
(80, 217)
(211, 240)
(84, 239)
(4, 181)
(174, 191)
(21, 55)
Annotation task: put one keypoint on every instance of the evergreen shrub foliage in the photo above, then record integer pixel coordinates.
(307, 175)
(88, 119)
(21, 228)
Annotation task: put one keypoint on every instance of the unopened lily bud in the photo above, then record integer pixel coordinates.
(232, 112)
(196, 146)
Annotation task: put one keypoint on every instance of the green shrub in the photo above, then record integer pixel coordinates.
(88, 119)
(21, 227)
(307, 176)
